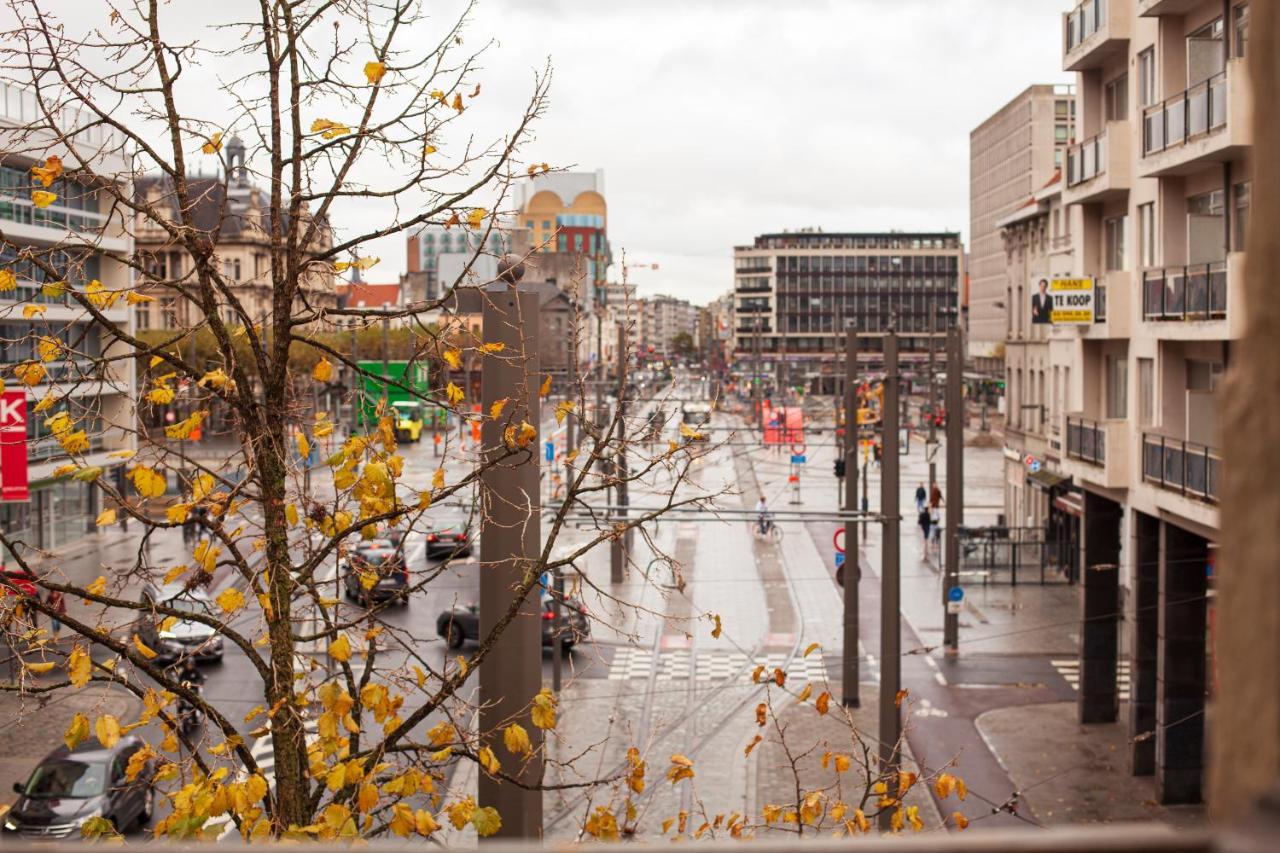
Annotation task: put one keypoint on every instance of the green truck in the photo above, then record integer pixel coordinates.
(412, 414)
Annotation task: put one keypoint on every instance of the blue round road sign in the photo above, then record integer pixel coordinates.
(955, 594)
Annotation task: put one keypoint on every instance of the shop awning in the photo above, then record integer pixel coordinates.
(1046, 479)
(1072, 503)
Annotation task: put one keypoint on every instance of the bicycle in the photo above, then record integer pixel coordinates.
(770, 533)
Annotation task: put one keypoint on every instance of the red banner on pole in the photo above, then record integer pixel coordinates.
(13, 447)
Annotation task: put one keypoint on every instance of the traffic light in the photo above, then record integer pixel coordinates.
(839, 466)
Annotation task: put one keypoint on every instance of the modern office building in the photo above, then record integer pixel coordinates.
(796, 292)
(84, 236)
(1161, 184)
(1012, 154)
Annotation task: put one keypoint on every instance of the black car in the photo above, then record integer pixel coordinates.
(459, 624)
(385, 563)
(71, 786)
(448, 542)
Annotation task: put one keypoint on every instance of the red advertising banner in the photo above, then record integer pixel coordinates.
(13, 447)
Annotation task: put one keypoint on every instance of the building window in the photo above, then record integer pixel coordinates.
(142, 318)
(1115, 242)
(1117, 98)
(1240, 228)
(1146, 392)
(168, 312)
(1117, 387)
(546, 225)
(1240, 24)
(1147, 77)
(1061, 133)
(1147, 234)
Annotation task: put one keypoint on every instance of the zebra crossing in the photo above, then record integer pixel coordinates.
(1069, 669)
(684, 664)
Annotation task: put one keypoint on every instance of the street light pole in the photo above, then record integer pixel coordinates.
(512, 673)
(621, 545)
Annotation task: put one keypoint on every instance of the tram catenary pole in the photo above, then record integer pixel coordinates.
(955, 483)
(849, 664)
(890, 592)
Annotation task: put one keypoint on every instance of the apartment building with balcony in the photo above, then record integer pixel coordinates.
(1012, 154)
(83, 235)
(1160, 185)
(796, 292)
(663, 319)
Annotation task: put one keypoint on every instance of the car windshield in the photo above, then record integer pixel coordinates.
(67, 780)
(408, 410)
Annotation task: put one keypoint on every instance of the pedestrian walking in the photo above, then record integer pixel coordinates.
(920, 497)
(57, 609)
(935, 496)
(935, 524)
(924, 524)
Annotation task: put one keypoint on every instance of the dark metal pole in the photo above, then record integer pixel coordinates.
(512, 673)
(356, 397)
(955, 482)
(621, 544)
(932, 443)
(890, 629)
(849, 672)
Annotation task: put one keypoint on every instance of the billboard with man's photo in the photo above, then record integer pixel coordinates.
(1061, 301)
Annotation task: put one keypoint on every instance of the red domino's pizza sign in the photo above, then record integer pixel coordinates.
(13, 447)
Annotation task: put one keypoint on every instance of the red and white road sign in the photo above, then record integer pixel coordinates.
(13, 447)
(838, 540)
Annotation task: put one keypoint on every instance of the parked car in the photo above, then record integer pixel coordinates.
(184, 637)
(385, 563)
(450, 541)
(408, 420)
(70, 786)
(462, 623)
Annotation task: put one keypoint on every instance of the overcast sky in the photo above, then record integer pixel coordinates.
(716, 120)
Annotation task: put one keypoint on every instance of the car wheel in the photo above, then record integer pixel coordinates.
(454, 636)
(148, 809)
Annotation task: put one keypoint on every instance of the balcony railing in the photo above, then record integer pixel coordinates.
(1087, 160)
(755, 288)
(1182, 466)
(1196, 292)
(1197, 111)
(1085, 20)
(1086, 440)
(753, 309)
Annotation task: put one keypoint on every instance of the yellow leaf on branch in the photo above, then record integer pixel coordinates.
(143, 649)
(329, 129)
(486, 821)
(475, 218)
(79, 666)
(488, 760)
(8, 281)
(454, 394)
(76, 733)
(148, 483)
(41, 198)
(323, 371)
(715, 632)
(452, 357)
(230, 600)
(49, 172)
(495, 411)
(213, 144)
(543, 711)
(105, 518)
(304, 446)
(38, 668)
(340, 649)
(516, 740)
(374, 72)
(107, 729)
(48, 348)
(546, 386)
(563, 408)
(29, 372)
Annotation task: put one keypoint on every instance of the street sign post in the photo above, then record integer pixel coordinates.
(839, 559)
(549, 451)
(797, 459)
(955, 599)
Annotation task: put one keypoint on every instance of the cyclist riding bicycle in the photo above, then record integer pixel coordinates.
(762, 516)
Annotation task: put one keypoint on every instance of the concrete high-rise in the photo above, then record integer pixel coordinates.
(1011, 155)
